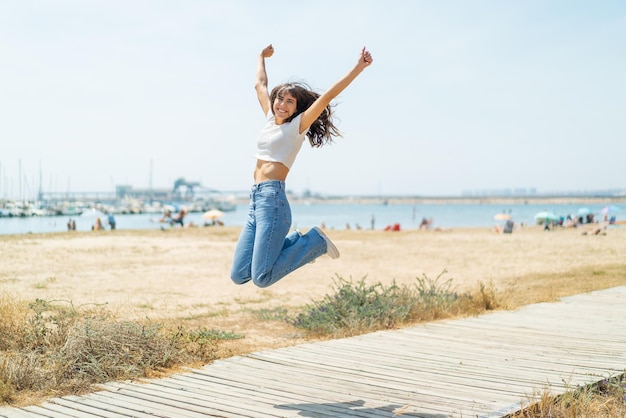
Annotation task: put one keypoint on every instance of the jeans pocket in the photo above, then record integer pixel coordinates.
(267, 193)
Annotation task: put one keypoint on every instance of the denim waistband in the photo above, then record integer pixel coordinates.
(278, 185)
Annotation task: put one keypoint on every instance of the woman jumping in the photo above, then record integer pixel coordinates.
(266, 251)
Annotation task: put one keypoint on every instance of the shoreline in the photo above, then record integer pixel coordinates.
(448, 212)
(403, 200)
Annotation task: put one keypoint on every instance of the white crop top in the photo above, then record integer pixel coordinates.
(280, 143)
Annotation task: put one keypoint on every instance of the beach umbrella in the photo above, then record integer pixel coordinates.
(92, 214)
(502, 217)
(212, 214)
(609, 209)
(584, 211)
(546, 216)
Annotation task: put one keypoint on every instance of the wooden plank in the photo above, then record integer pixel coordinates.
(242, 388)
(265, 396)
(350, 384)
(11, 412)
(473, 340)
(63, 411)
(434, 393)
(99, 409)
(392, 365)
(396, 378)
(472, 356)
(295, 386)
(39, 411)
(136, 407)
(313, 389)
(179, 400)
(279, 410)
(567, 330)
(289, 386)
(408, 371)
(177, 389)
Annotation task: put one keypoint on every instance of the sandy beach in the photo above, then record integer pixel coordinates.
(183, 274)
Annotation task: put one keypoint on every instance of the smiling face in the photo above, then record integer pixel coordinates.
(284, 106)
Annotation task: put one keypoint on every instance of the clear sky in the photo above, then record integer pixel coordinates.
(462, 95)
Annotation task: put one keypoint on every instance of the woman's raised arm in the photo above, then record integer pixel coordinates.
(315, 110)
(261, 79)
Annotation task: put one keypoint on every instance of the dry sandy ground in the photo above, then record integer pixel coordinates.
(183, 274)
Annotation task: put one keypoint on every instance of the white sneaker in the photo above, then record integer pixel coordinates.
(331, 250)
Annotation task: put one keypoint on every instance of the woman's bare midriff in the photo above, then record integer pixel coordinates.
(269, 170)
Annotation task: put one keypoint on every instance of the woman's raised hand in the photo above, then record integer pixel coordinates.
(268, 51)
(365, 58)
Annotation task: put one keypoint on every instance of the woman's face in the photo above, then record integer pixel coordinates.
(285, 106)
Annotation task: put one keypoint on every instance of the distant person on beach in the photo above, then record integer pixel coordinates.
(111, 220)
(179, 218)
(426, 224)
(265, 253)
(166, 218)
(173, 220)
(97, 226)
(597, 230)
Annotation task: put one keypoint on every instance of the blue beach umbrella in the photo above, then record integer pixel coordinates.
(546, 216)
(609, 209)
(584, 211)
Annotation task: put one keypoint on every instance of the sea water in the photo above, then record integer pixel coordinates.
(331, 215)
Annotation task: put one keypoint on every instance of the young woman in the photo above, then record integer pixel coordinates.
(266, 251)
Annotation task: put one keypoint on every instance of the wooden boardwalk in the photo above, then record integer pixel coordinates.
(475, 367)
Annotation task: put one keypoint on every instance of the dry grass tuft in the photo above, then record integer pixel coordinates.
(605, 399)
(49, 348)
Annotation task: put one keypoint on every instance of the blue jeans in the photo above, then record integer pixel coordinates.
(266, 251)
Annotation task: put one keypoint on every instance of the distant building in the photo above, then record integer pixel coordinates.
(125, 191)
(182, 190)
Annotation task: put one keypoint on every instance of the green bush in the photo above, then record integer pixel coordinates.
(356, 308)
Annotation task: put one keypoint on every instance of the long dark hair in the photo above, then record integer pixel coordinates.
(323, 129)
